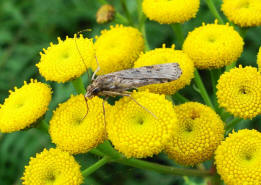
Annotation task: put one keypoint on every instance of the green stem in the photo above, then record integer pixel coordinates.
(78, 85)
(95, 166)
(107, 149)
(230, 125)
(203, 90)
(214, 11)
(141, 25)
(179, 97)
(126, 11)
(163, 169)
(43, 125)
(231, 66)
(178, 31)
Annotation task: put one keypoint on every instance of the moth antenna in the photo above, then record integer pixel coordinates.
(75, 40)
(98, 68)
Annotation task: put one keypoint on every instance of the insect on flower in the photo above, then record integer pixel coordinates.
(117, 83)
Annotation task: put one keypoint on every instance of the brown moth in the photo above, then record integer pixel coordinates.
(117, 83)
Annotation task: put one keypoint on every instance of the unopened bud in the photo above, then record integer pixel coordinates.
(105, 14)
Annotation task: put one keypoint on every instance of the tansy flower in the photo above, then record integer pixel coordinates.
(213, 45)
(167, 12)
(259, 59)
(245, 13)
(200, 130)
(238, 158)
(24, 106)
(238, 91)
(105, 14)
(168, 55)
(66, 60)
(70, 132)
(141, 131)
(117, 48)
(52, 167)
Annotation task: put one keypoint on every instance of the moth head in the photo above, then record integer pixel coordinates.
(92, 90)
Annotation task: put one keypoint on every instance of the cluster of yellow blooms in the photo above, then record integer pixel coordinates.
(189, 133)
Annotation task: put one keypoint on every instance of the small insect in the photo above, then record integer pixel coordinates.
(117, 83)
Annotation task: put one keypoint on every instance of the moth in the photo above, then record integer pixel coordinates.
(117, 83)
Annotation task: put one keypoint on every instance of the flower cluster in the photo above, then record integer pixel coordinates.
(66, 60)
(117, 48)
(238, 158)
(213, 45)
(167, 55)
(76, 127)
(245, 13)
(144, 126)
(238, 91)
(52, 167)
(24, 106)
(167, 12)
(198, 133)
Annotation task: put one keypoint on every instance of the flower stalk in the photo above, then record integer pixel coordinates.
(214, 11)
(202, 89)
(88, 171)
(179, 33)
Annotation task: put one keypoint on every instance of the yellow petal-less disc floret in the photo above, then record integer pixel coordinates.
(66, 60)
(117, 48)
(199, 132)
(24, 106)
(167, 55)
(137, 132)
(213, 46)
(244, 13)
(238, 91)
(168, 12)
(52, 167)
(72, 134)
(238, 158)
(259, 59)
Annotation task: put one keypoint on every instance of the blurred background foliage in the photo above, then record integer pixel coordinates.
(28, 26)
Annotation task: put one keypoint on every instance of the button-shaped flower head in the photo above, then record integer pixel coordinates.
(24, 106)
(238, 158)
(168, 55)
(199, 132)
(213, 46)
(141, 131)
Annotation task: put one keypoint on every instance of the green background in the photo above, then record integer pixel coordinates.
(28, 26)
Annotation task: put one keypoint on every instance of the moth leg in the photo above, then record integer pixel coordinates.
(86, 102)
(103, 109)
(126, 93)
(98, 68)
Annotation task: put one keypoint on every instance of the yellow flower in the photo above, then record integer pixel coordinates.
(259, 59)
(167, 12)
(200, 130)
(72, 134)
(168, 55)
(24, 106)
(66, 60)
(118, 48)
(105, 14)
(135, 131)
(238, 91)
(213, 45)
(238, 158)
(245, 13)
(52, 167)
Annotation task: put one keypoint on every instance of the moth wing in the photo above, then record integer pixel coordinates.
(169, 71)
